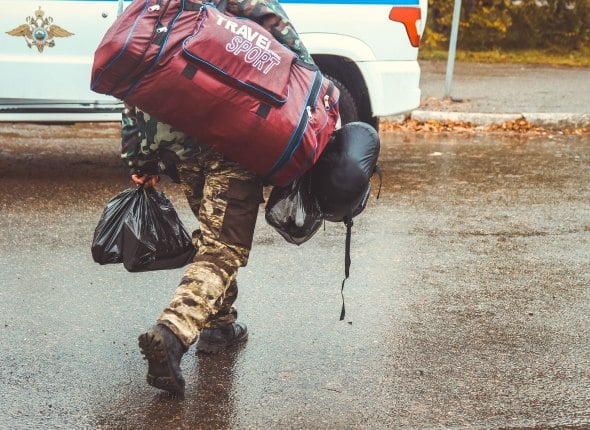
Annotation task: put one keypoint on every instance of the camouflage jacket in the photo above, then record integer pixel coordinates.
(150, 146)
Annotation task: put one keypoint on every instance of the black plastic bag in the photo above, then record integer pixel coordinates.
(107, 244)
(293, 211)
(141, 229)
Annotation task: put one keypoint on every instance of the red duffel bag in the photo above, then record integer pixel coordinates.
(221, 79)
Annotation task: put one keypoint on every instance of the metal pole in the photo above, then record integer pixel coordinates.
(452, 48)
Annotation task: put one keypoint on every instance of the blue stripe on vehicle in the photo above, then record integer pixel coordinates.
(355, 2)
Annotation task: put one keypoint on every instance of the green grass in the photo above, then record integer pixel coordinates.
(574, 58)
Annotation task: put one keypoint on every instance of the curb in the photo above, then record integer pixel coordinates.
(546, 120)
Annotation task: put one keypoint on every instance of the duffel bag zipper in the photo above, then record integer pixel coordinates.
(162, 47)
(153, 8)
(297, 136)
(114, 60)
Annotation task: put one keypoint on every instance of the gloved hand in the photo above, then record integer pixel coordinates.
(145, 180)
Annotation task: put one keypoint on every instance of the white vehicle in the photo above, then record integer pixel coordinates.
(369, 48)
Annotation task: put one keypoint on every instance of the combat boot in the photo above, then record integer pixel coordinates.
(214, 340)
(163, 351)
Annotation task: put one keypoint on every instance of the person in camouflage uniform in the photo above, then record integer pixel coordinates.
(225, 198)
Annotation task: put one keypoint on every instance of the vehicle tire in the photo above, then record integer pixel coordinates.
(347, 106)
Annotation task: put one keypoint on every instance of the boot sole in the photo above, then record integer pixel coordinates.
(216, 348)
(159, 375)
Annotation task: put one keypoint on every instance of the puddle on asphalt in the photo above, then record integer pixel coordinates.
(479, 162)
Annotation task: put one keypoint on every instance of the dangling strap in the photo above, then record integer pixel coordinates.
(380, 174)
(348, 223)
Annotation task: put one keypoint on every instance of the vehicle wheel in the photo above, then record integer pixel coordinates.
(347, 105)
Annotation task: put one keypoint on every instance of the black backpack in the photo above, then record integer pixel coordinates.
(341, 179)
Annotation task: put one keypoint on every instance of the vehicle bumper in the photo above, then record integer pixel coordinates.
(394, 86)
(14, 110)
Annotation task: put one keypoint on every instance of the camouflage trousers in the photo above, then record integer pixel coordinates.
(225, 198)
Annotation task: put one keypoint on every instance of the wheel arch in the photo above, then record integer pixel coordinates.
(348, 73)
(337, 55)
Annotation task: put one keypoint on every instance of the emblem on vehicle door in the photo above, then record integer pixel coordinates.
(39, 31)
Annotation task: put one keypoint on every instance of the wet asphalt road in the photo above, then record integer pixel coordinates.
(468, 303)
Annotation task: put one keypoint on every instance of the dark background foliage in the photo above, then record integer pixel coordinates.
(562, 25)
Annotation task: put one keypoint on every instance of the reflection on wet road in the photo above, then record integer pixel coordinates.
(467, 306)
